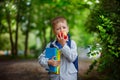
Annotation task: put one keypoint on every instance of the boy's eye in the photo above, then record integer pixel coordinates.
(64, 27)
(57, 28)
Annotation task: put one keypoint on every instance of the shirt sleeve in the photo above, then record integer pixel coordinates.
(42, 60)
(70, 53)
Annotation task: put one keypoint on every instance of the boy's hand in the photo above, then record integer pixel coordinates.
(53, 62)
(62, 38)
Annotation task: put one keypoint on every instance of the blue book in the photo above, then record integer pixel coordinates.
(49, 53)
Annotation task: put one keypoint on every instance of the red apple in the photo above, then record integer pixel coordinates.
(65, 35)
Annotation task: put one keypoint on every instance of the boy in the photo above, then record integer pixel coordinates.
(68, 53)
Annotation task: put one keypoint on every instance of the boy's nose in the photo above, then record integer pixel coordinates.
(61, 29)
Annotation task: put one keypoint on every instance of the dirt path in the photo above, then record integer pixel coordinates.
(31, 70)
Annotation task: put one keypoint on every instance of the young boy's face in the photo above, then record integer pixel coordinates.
(60, 27)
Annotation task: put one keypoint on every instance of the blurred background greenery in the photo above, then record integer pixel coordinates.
(25, 28)
(25, 24)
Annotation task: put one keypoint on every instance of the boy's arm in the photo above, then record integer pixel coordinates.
(70, 53)
(42, 60)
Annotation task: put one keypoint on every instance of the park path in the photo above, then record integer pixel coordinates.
(31, 70)
(22, 70)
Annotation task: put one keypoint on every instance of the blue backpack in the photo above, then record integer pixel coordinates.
(76, 60)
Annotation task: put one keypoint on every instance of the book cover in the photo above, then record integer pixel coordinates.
(49, 53)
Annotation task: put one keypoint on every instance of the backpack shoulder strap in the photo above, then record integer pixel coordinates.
(51, 45)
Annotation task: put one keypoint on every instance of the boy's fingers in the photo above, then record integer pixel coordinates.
(58, 37)
(57, 63)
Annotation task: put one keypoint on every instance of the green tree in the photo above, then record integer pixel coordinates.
(13, 17)
(23, 17)
(44, 11)
(105, 20)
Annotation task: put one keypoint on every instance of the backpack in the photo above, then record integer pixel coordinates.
(76, 60)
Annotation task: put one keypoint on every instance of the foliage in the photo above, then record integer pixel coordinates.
(105, 20)
(29, 21)
(107, 33)
(74, 11)
(4, 39)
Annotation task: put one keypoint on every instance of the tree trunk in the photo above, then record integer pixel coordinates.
(51, 35)
(44, 39)
(16, 36)
(27, 32)
(26, 43)
(17, 28)
(10, 31)
(26, 38)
